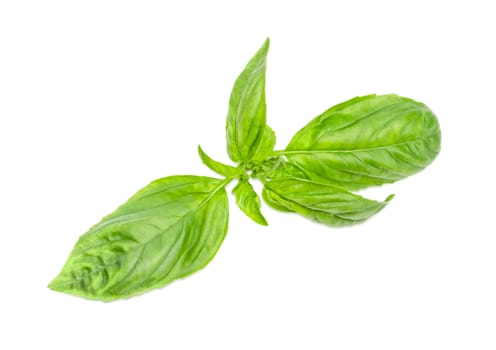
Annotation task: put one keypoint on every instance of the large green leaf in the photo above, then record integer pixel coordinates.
(248, 201)
(369, 140)
(170, 229)
(278, 168)
(246, 117)
(324, 203)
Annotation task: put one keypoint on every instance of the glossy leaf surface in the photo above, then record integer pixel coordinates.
(369, 140)
(246, 117)
(168, 230)
(248, 201)
(323, 203)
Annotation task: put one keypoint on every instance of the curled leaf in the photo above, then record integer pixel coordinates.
(324, 203)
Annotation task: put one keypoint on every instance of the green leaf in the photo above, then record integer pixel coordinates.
(366, 141)
(248, 201)
(246, 116)
(324, 203)
(267, 145)
(168, 230)
(270, 198)
(219, 168)
(278, 168)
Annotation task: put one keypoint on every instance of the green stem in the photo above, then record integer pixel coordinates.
(227, 180)
(277, 153)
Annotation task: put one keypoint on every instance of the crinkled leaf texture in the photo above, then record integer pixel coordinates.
(366, 141)
(168, 230)
(324, 203)
(248, 201)
(246, 116)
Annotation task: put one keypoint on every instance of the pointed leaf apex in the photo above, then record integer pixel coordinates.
(389, 198)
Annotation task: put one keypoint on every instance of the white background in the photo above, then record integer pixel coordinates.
(97, 98)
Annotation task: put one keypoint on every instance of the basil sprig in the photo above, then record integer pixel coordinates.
(175, 225)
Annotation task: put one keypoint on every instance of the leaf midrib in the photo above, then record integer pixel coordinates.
(142, 245)
(290, 152)
(260, 65)
(310, 208)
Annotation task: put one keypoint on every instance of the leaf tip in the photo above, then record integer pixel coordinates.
(265, 47)
(389, 198)
(262, 221)
(202, 154)
(55, 285)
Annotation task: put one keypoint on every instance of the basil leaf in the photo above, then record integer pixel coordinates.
(369, 140)
(324, 203)
(168, 230)
(273, 201)
(219, 168)
(248, 201)
(277, 168)
(267, 145)
(246, 116)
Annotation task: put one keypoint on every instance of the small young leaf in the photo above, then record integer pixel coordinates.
(168, 230)
(323, 203)
(267, 145)
(366, 141)
(219, 168)
(248, 201)
(246, 116)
